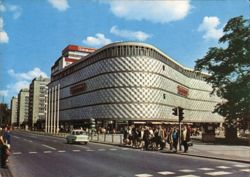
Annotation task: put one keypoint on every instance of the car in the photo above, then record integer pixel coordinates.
(77, 136)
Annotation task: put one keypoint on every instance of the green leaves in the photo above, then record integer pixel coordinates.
(229, 70)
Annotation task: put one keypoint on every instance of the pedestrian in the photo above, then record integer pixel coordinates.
(185, 138)
(146, 134)
(7, 136)
(170, 138)
(175, 137)
(3, 151)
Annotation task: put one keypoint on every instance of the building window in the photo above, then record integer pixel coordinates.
(164, 96)
(163, 68)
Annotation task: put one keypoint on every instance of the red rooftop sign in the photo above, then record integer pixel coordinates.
(78, 48)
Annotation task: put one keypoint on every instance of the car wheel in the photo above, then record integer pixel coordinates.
(85, 143)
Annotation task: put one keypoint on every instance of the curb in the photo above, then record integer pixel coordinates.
(216, 158)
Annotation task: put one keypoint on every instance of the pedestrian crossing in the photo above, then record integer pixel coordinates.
(242, 170)
(239, 169)
(73, 150)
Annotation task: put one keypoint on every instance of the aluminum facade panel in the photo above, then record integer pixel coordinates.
(132, 88)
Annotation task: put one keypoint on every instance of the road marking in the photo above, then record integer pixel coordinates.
(81, 146)
(32, 152)
(48, 146)
(101, 149)
(223, 167)
(217, 173)
(188, 176)
(89, 150)
(30, 141)
(187, 170)
(246, 170)
(76, 150)
(143, 175)
(241, 165)
(124, 149)
(26, 140)
(46, 152)
(17, 153)
(61, 151)
(16, 137)
(166, 173)
(206, 169)
(113, 149)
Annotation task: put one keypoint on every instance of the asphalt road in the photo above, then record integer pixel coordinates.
(43, 156)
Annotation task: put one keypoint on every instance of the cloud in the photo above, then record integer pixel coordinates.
(16, 10)
(3, 35)
(21, 80)
(36, 72)
(60, 5)
(2, 7)
(156, 11)
(3, 92)
(17, 86)
(98, 41)
(132, 35)
(209, 26)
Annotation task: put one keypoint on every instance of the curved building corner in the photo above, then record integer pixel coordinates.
(127, 81)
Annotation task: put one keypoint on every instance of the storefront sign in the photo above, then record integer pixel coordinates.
(76, 89)
(182, 91)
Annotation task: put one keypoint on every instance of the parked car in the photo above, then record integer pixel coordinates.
(77, 136)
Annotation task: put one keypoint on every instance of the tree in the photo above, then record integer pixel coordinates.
(4, 115)
(229, 69)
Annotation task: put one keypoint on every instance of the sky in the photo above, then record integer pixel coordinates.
(33, 33)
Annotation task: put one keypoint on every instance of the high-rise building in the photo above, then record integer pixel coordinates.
(23, 107)
(128, 82)
(38, 94)
(14, 108)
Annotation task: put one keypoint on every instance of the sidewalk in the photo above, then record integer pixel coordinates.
(223, 152)
(237, 153)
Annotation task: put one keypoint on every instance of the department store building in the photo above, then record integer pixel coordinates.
(125, 82)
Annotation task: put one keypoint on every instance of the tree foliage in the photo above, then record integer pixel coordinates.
(229, 69)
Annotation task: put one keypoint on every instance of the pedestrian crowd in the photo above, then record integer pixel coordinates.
(157, 138)
(5, 145)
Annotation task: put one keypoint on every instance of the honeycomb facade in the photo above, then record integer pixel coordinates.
(129, 81)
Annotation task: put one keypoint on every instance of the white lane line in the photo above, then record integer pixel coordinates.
(81, 146)
(90, 150)
(206, 169)
(188, 176)
(46, 152)
(32, 152)
(241, 165)
(218, 173)
(187, 170)
(16, 137)
(61, 151)
(30, 141)
(246, 170)
(17, 153)
(101, 149)
(124, 149)
(26, 140)
(166, 173)
(48, 146)
(113, 149)
(143, 175)
(76, 150)
(223, 167)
